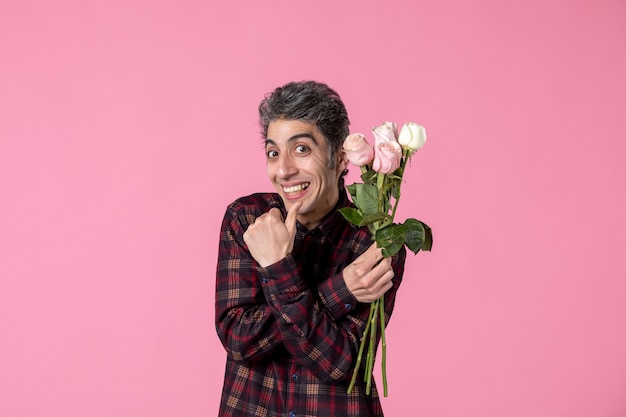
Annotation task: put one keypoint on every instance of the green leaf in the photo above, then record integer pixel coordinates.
(352, 215)
(428, 237)
(395, 192)
(419, 236)
(369, 177)
(366, 198)
(414, 238)
(352, 190)
(391, 239)
(372, 218)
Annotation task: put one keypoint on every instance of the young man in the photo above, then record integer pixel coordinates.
(294, 278)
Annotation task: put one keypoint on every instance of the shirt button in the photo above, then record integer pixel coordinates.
(348, 306)
(264, 280)
(295, 377)
(292, 414)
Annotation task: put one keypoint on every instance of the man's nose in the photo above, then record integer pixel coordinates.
(286, 167)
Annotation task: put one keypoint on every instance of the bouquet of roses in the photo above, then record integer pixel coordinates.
(376, 201)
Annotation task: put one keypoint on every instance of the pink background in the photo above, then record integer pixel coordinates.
(126, 127)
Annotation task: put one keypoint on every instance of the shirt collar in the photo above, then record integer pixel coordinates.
(333, 224)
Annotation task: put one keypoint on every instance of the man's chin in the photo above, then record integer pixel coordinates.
(289, 204)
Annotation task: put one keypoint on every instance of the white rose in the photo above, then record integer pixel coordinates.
(412, 136)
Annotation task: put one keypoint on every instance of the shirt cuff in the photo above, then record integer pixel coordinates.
(336, 296)
(282, 278)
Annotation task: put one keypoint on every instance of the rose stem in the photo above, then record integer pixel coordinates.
(384, 345)
(360, 355)
(371, 353)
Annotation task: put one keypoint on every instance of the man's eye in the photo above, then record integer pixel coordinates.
(301, 149)
(272, 154)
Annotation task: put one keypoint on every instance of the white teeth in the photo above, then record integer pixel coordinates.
(296, 188)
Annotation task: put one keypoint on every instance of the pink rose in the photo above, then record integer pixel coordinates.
(387, 157)
(387, 132)
(358, 150)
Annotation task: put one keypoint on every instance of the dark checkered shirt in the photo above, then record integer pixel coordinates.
(292, 330)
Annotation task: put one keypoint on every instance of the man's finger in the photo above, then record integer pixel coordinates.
(275, 213)
(371, 256)
(290, 221)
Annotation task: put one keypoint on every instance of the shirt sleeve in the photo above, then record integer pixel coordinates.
(326, 343)
(244, 322)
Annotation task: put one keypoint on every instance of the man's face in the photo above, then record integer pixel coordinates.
(297, 165)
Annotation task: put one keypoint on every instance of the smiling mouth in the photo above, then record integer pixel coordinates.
(296, 188)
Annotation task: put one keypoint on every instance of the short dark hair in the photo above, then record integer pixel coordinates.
(308, 101)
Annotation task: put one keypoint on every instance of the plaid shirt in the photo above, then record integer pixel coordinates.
(292, 330)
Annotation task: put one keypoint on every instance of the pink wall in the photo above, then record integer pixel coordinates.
(127, 126)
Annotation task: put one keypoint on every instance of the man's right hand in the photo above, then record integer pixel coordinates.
(369, 276)
(269, 238)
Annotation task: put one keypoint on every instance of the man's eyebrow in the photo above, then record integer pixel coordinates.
(297, 136)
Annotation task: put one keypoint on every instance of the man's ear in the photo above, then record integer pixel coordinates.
(342, 160)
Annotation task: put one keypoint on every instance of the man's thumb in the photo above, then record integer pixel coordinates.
(290, 221)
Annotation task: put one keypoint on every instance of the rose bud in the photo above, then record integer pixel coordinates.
(358, 150)
(387, 157)
(387, 132)
(412, 136)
